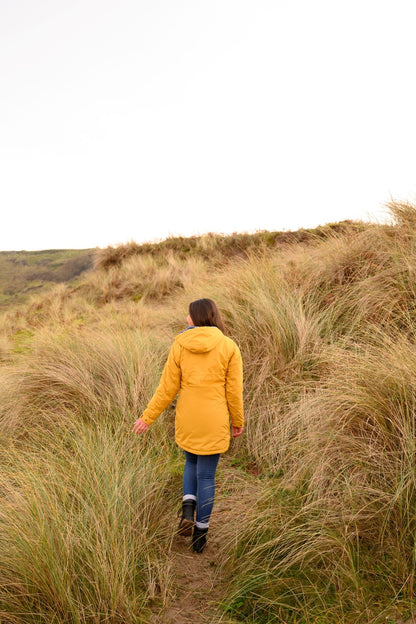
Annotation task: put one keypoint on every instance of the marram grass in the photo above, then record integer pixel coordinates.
(86, 508)
(83, 527)
(327, 329)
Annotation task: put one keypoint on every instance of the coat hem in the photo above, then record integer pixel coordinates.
(223, 449)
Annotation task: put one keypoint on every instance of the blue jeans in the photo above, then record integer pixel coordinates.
(199, 482)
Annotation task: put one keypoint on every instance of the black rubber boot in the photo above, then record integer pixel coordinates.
(187, 519)
(199, 539)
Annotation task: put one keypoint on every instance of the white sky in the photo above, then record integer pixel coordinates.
(135, 119)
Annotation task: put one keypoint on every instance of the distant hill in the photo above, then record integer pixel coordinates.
(218, 247)
(23, 273)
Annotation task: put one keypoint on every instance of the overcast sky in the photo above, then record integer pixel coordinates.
(136, 119)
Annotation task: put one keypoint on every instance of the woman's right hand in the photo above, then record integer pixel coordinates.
(140, 426)
(237, 431)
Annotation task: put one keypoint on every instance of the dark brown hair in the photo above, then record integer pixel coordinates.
(204, 312)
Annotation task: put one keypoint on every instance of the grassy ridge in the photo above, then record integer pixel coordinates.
(24, 273)
(217, 248)
(327, 328)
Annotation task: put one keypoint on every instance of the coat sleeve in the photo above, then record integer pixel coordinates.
(167, 389)
(234, 388)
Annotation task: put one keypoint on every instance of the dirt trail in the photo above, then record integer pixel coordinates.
(199, 579)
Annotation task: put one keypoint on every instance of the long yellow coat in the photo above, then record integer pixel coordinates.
(206, 368)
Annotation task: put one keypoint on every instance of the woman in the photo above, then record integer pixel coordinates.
(205, 367)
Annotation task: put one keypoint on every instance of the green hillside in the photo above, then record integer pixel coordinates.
(24, 273)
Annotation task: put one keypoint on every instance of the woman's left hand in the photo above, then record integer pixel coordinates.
(237, 431)
(140, 426)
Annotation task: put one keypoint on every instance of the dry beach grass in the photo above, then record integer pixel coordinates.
(323, 530)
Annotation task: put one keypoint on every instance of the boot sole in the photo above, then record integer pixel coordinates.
(185, 527)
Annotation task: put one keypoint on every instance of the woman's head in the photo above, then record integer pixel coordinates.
(204, 312)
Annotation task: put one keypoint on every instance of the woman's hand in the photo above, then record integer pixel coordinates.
(140, 426)
(237, 431)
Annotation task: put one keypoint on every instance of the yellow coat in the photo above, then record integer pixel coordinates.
(206, 368)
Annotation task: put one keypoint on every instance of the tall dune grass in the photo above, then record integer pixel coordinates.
(141, 277)
(86, 506)
(332, 537)
(219, 248)
(337, 529)
(327, 330)
(95, 374)
(84, 527)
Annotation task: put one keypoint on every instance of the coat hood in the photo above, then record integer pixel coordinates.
(200, 339)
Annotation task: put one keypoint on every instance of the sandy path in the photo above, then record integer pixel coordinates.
(200, 580)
